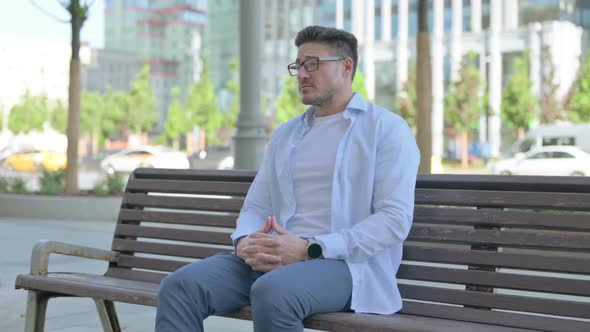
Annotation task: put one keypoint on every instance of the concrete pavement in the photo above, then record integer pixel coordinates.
(17, 238)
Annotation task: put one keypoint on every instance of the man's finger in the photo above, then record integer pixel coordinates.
(268, 258)
(264, 241)
(254, 249)
(259, 235)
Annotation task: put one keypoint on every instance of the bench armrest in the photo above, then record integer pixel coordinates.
(43, 248)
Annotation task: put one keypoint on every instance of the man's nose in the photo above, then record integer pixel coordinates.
(302, 73)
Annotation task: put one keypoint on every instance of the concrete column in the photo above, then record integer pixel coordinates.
(476, 16)
(340, 14)
(456, 32)
(495, 79)
(402, 43)
(250, 137)
(357, 17)
(510, 15)
(277, 74)
(370, 49)
(437, 85)
(386, 20)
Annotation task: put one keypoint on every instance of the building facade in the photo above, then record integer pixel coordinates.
(166, 35)
(496, 30)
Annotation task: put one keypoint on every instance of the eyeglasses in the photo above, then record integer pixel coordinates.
(311, 64)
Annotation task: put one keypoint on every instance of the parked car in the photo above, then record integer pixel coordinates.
(129, 159)
(32, 160)
(548, 160)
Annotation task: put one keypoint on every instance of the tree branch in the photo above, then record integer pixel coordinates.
(48, 13)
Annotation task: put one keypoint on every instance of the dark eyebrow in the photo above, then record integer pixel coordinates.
(305, 58)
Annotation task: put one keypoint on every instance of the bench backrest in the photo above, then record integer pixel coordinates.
(512, 251)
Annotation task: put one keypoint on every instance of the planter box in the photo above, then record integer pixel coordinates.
(82, 208)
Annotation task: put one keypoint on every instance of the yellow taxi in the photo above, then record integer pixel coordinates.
(36, 160)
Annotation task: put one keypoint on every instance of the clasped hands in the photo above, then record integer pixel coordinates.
(265, 252)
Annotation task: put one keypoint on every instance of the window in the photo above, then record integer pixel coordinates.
(540, 155)
(561, 155)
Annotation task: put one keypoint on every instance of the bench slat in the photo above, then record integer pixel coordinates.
(496, 301)
(189, 187)
(128, 274)
(513, 238)
(177, 234)
(495, 279)
(182, 218)
(524, 219)
(149, 263)
(493, 317)
(194, 174)
(183, 203)
(157, 248)
(550, 263)
(503, 199)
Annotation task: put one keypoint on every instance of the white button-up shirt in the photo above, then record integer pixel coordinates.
(372, 198)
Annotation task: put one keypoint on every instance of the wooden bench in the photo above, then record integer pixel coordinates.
(485, 253)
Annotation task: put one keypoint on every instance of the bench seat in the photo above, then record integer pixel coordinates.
(485, 253)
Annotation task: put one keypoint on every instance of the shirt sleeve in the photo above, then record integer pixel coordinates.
(257, 205)
(396, 168)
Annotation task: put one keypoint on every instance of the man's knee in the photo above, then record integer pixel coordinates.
(268, 293)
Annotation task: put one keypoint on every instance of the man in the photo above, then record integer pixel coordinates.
(322, 226)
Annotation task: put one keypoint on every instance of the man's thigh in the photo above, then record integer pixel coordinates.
(313, 286)
(221, 281)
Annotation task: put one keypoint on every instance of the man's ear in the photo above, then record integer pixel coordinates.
(348, 66)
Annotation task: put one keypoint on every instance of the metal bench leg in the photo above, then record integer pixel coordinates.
(108, 315)
(36, 309)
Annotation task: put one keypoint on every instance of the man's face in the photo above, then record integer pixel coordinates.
(319, 86)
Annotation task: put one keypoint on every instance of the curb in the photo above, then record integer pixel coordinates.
(60, 207)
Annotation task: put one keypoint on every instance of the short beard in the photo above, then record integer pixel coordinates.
(318, 101)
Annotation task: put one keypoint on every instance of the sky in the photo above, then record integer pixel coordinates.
(20, 18)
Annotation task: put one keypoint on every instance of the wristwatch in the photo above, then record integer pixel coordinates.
(314, 249)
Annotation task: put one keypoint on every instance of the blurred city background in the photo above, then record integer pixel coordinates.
(159, 81)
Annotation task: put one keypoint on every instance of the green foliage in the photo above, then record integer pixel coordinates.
(463, 104)
(113, 184)
(288, 105)
(176, 124)
(18, 186)
(29, 115)
(141, 110)
(52, 182)
(519, 104)
(4, 185)
(202, 107)
(405, 104)
(59, 117)
(579, 110)
(358, 85)
(229, 117)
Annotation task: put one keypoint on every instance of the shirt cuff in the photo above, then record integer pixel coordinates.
(333, 245)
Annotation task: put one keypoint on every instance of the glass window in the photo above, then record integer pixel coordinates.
(561, 155)
(540, 155)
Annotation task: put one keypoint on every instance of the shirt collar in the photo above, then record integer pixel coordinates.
(356, 103)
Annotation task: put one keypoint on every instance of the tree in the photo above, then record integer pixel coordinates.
(59, 117)
(519, 104)
(202, 105)
(551, 107)
(424, 89)
(288, 104)
(29, 115)
(176, 124)
(579, 109)
(101, 116)
(141, 110)
(463, 105)
(405, 104)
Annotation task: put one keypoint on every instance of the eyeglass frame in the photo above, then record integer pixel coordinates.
(321, 58)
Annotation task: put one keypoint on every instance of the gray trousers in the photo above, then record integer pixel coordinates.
(280, 299)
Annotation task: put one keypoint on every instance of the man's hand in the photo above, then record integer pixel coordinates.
(259, 249)
(291, 248)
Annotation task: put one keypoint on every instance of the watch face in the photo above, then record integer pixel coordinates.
(314, 250)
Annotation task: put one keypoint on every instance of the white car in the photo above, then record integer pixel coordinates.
(129, 159)
(548, 160)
